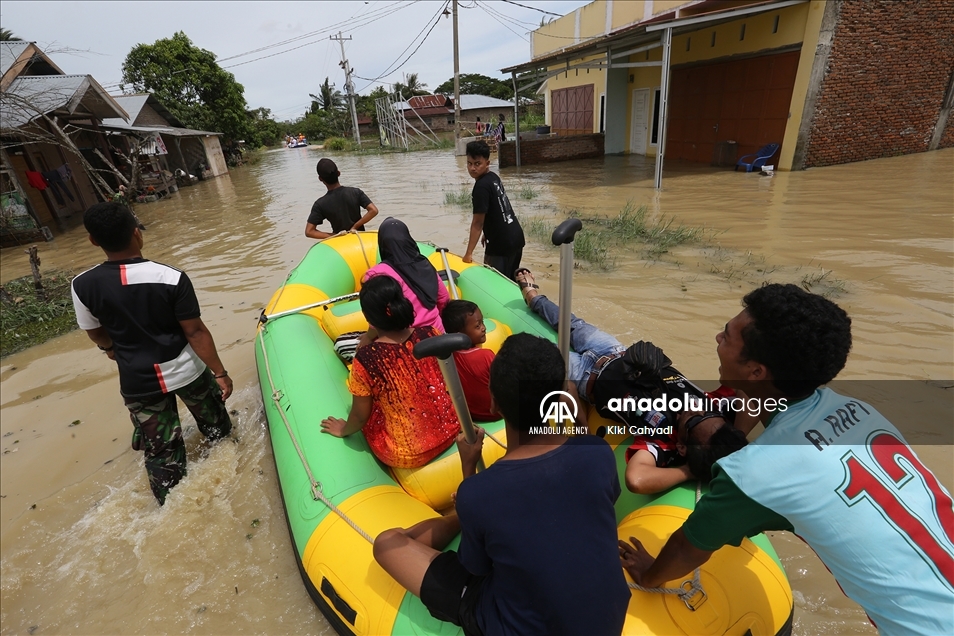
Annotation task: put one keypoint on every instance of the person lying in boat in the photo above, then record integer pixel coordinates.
(400, 403)
(538, 551)
(604, 373)
(473, 365)
(402, 260)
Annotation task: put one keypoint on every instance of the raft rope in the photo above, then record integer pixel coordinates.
(316, 487)
(683, 592)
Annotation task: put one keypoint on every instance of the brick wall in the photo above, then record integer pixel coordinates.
(551, 149)
(889, 67)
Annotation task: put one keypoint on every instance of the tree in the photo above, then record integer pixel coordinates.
(190, 83)
(6, 35)
(328, 98)
(265, 130)
(411, 86)
(477, 84)
(364, 104)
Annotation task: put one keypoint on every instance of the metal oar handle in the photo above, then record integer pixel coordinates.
(563, 236)
(449, 272)
(441, 347)
(566, 231)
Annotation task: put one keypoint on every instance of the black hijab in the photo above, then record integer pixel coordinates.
(400, 251)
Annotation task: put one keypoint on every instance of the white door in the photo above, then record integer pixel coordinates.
(640, 123)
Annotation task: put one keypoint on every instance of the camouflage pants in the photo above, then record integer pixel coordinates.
(159, 433)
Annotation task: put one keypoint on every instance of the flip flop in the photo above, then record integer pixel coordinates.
(524, 284)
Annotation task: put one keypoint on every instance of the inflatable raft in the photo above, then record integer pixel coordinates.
(337, 496)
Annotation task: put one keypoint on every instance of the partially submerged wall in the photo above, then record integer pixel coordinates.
(888, 71)
(551, 149)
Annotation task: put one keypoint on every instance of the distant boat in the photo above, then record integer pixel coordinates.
(297, 143)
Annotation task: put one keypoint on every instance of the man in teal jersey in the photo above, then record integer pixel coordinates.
(828, 467)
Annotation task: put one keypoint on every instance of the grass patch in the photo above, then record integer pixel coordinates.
(528, 193)
(461, 198)
(602, 236)
(337, 143)
(823, 284)
(26, 320)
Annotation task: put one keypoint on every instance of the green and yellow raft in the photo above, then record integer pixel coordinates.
(337, 496)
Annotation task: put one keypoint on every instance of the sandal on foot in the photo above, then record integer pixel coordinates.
(524, 284)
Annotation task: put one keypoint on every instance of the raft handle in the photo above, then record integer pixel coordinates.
(340, 604)
(692, 591)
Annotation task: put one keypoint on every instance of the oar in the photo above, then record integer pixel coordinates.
(263, 318)
(442, 348)
(450, 274)
(563, 236)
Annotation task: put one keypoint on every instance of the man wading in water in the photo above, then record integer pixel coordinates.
(145, 316)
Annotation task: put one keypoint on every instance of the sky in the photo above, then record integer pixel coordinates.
(93, 38)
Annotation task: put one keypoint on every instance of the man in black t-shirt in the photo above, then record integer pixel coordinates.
(538, 551)
(145, 316)
(341, 206)
(493, 215)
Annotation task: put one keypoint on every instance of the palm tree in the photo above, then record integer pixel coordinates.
(414, 86)
(6, 35)
(328, 99)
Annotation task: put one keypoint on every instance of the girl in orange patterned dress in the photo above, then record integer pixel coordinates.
(398, 401)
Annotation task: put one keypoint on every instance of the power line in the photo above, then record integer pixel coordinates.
(373, 15)
(534, 8)
(390, 70)
(500, 22)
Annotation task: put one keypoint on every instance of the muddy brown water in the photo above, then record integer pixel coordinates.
(85, 550)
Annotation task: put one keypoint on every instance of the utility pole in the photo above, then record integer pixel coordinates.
(456, 78)
(349, 86)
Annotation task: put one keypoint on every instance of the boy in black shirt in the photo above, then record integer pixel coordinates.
(341, 205)
(538, 547)
(493, 215)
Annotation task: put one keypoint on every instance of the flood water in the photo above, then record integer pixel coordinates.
(85, 549)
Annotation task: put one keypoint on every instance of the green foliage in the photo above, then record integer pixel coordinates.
(477, 84)
(264, 131)
(461, 197)
(188, 81)
(411, 86)
(6, 35)
(29, 321)
(337, 143)
(601, 237)
(328, 98)
(528, 193)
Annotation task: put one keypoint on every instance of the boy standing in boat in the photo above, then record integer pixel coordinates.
(856, 493)
(538, 528)
(145, 316)
(493, 216)
(340, 206)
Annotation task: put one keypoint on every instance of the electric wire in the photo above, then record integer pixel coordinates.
(501, 22)
(389, 70)
(534, 8)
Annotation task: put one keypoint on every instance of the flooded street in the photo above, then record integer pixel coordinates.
(85, 549)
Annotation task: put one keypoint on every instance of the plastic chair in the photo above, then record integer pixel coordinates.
(765, 153)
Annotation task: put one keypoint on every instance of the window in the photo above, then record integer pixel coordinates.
(602, 112)
(775, 26)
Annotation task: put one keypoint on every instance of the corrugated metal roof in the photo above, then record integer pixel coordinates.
(9, 53)
(30, 96)
(468, 102)
(428, 101)
(163, 130)
(132, 104)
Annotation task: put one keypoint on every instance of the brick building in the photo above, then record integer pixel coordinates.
(831, 82)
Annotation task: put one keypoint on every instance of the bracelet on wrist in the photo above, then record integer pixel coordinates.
(224, 374)
(109, 348)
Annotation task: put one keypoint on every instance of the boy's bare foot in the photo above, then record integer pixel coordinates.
(528, 286)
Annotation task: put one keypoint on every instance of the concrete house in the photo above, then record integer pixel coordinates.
(831, 82)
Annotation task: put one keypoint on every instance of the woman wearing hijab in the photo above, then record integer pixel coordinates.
(402, 261)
